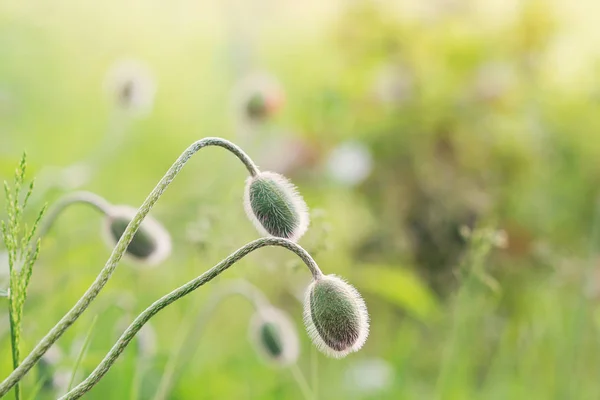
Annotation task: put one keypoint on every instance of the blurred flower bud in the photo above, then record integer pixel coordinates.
(131, 86)
(274, 335)
(350, 163)
(275, 206)
(46, 367)
(493, 80)
(369, 377)
(146, 341)
(151, 244)
(258, 97)
(393, 85)
(335, 316)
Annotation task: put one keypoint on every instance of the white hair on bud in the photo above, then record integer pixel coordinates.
(350, 294)
(149, 226)
(290, 344)
(296, 200)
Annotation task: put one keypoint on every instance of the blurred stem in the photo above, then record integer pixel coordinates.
(110, 266)
(480, 246)
(14, 336)
(573, 350)
(177, 294)
(82, 352)
(302, 383)
(314, 368)
(189, 338)
(137, 377)
(88, 198)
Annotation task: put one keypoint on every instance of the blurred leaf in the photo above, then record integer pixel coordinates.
(400, 287)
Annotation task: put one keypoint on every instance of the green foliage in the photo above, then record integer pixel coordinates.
(401, 287)
(23, 252)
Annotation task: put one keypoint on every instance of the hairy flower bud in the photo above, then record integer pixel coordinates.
(335, 316)
(275, 206)
(150, 245)
(274, 336)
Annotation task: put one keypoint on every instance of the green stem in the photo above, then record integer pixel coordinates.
(14, 337)
(301, 381)
(188, 338)
(88, 198)
(110, 266)
(314, 367)
(82, 351)
(177, 294)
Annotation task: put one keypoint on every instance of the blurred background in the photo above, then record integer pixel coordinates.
(448, 150)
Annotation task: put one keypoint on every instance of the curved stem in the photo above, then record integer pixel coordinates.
(89, 198)
(177, 294)
(302, 382)
(106, 272)
(188, 339)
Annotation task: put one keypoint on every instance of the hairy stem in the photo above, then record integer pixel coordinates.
(106, 272)
(89, 198)
(177, 294)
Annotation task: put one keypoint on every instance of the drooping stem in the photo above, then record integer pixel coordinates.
(189, 337)
(82, 304)
(177, 294)
(88, 198)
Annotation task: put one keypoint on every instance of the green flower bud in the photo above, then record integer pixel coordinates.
(274, 205)
(274, 336)
(151, 244)
(335, 316)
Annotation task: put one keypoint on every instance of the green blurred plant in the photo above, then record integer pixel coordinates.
(23, 252)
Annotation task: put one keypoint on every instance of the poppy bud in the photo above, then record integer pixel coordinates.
(275, 206)
(335, 316)
(274, 336)
(150, 245)
(131, 86)
(257, 97)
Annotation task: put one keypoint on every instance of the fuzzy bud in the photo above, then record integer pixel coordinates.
(150, 245)
(275, 206)
(335, 316)
(274, 335)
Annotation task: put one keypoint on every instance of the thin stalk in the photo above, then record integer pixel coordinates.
(314, 369)
(302, 383)
(110, 266)
(82, 351)
(88, 198)
(137, 378)
(480, 246)
(14, 337)
(573, 352)
(177, 294)
(187, 338)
